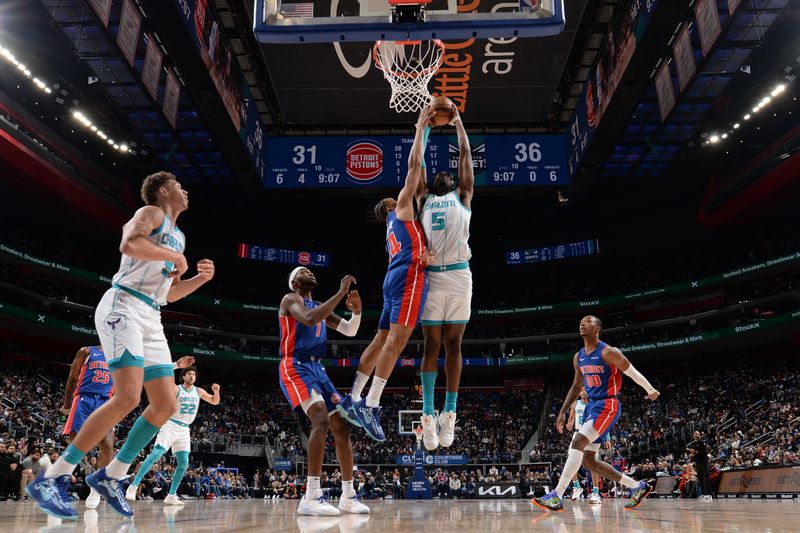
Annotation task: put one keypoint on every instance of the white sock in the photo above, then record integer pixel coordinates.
(117, 469)
(347, 489)
(59, 468)
(358, 386)
(571, 467)
(313, 490)
(629, 482)
(375, 391)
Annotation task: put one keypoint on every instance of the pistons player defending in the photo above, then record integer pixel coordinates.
(88, 387)
(304, 343)
(599, 368)
(405, 289)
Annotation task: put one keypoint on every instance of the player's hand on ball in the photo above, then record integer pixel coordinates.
(64, 410)
(215, 387)
(344, 286)
(653, 396)
(353, 302)
(560, 423)
(205, 269)
(456, 116)
(185, 361)
(425, 116)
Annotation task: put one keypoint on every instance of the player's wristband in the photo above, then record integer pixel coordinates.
(174, 366)
(349, 327)
(640, 380)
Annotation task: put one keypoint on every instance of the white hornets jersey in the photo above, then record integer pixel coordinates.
(446, 225)
(188, 403)
(151, 279)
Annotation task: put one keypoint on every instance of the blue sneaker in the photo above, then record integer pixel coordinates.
(346, 408)
(113, 490)
(638, 495)
(369, 419)
(549, 502)
(52, 495)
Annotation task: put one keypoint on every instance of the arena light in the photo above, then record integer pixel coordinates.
(724, 135)
(9, 56)
(714, 139)
(756, 109)
(123, 147)
(747, 116)
(736, 126)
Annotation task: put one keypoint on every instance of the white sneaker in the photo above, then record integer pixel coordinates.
(447, 429)
(576, 493)
(317, 507)
(594, 498)
(430, 437)
(94, 499)
(172, 499)
(130, 495)
(352, 504)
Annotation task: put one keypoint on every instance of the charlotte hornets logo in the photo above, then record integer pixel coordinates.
(113, 323)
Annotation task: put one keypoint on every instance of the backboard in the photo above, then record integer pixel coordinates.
(317, 21)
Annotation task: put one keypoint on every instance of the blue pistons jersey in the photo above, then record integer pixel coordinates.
(600, 379)
(300, 341)
(95, 377)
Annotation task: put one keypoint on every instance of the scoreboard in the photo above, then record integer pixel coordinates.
(553, 253)
(382, 161)
(278, 255)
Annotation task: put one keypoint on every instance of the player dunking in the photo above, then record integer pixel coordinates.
(405, 289)
(88, 387)
(445, 217)
(175, 434)
(599, 368)
(304, 343)
(128, 322)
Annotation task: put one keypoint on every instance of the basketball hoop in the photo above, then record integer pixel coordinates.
(408, 66)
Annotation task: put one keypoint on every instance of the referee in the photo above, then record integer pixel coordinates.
(698, 452)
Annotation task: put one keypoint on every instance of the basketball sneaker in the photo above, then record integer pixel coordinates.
(594, 498)
(172, 499)
(638, 495)
(52, 495)
(130, 494)
(317, 507)
(93, 500)
(549, 502)
(112, 489)
(352, 504)
(447, 428)
(576, 492)
(430, 437)
(369, 419)
(346, 408)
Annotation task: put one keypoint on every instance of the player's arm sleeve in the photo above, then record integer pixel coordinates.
(349, 327)
(640, 380)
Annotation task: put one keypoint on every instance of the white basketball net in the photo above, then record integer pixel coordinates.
(408, 66)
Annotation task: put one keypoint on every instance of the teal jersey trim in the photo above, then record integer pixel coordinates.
(179, 423)
(158, 371)
(143, 297)
(160, 228)
(458, 199)
(124, 360)
(446, 268)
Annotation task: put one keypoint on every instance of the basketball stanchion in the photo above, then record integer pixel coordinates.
(419, 488)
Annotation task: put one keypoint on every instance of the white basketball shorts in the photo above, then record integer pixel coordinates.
(449, 298)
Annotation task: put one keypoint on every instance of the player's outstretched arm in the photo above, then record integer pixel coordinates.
(416, 174)
(135, 243)
(466, 172)
(572, 395)
(205, 396)
(349, 327)
(614, 357)
(292, 304)
(72, 380)
(183, 288)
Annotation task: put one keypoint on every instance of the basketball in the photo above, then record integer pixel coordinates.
(444, 111)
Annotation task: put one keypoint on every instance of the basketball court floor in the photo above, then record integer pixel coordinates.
(438, 516)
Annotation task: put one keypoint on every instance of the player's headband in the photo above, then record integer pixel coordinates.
(293, 275)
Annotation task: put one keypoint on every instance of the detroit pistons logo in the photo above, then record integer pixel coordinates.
(335, 398)
(364, 161)
(304, 258)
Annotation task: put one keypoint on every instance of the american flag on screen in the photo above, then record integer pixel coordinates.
(304, 10)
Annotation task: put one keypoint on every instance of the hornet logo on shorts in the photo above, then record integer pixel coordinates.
(335, 398)
(113, 323)
(364, 161)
